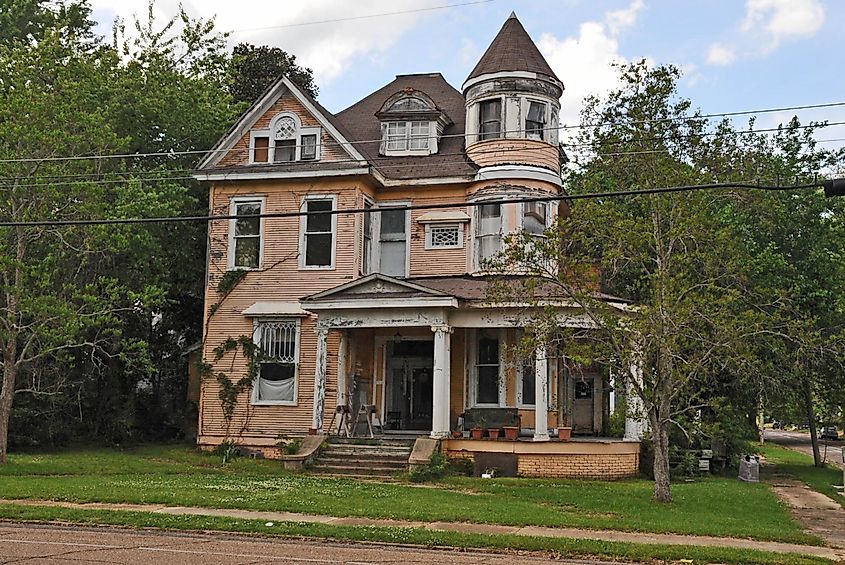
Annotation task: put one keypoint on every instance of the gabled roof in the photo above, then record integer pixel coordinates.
(364, 127)
(512, 50)
(375, 284)
(328, 121)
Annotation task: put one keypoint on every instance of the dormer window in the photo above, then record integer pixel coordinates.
(286, 141)
(408, 136)
(411, 124)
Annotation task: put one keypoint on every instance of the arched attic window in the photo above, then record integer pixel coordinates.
(411, 124)
(286, 141)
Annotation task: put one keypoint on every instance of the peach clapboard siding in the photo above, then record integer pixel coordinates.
(239, 154)
(493, 152)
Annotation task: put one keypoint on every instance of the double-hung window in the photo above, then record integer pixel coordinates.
(535, 217)
(535, 120)
(488, 232)
(490, 119)
(367, 239)
(245, 233)
(487, 368)
(318, 233)
(285, 138)
(278, 357)
(408, 136)
(393, 242)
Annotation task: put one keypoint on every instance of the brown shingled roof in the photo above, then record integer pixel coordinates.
(361, 124)
(512, 50)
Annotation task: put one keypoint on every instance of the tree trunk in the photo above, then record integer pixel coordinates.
(660, 438)
(7, 394)
(811, 418)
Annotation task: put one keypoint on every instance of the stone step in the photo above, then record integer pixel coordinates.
(372, 442)
(398, 462)
(355, 452)
(368, 470)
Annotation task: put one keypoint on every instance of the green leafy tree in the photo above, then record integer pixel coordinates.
(254, 68)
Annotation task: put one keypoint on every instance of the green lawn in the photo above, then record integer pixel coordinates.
(556, 547)
(801, 467)
(177, 475)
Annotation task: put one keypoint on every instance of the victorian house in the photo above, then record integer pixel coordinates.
(386, 307)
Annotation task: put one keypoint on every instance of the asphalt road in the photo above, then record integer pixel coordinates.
(831, 451)
(26, 543)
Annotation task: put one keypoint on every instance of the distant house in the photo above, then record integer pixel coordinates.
(386, 308)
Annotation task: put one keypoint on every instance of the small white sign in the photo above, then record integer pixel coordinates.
(703, 464)
(707, 454)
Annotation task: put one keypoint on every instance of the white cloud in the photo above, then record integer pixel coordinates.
(327, 48)
(584, 63)
(781, 20)
(620, 19)
(721, 55)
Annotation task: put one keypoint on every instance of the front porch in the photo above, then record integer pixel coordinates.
(420, 359)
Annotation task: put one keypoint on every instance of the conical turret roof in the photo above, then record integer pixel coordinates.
(512, 50)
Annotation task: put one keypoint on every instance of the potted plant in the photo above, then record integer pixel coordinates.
(477, 431)
(564, 431)
(512, 431)
(457, 434)
(493, 433)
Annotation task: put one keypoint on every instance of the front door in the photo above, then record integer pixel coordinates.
(582, 406)
(409, 397)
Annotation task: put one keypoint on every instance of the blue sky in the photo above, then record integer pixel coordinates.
(736, 55)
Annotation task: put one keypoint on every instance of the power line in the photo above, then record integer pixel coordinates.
(179, 173)
(829, 184)
(455, 135)
(365, 17)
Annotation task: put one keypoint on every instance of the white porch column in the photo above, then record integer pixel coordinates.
(342, 368)
(635, 424)
(442, 378)
(541, 395)
(320, 377)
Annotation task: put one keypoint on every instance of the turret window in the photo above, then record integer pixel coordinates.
(490, 119)
(535, 120)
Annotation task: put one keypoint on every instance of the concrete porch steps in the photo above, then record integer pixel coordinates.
(370, 458)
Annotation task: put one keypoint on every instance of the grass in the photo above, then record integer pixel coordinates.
(179, 476)
(800, 466)
(561, 548)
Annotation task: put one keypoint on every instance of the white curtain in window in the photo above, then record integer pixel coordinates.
(276, 390)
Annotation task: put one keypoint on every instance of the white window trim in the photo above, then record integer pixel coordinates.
(525, 106)
(303, 222)
(549, 219)
(520, 368)
(367, 267)
(233, 210)
(256, 324)
(503, 133)
(271, 146)
(408, 152)
(375, 250)
(503, 230)
(457, 225)
(260, 133)
(475, 335)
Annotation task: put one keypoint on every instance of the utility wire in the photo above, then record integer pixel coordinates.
(439, 206)
(504, 132)
(178, 174)
(365, 17)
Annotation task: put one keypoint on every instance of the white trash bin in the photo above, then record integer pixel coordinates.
(749, 469)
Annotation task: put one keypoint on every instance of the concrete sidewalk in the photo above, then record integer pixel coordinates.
(488, 529)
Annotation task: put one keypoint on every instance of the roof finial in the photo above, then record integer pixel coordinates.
(512, 16)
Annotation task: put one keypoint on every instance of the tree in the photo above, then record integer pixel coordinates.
(91, 318)
(254, 68)
(694, 320)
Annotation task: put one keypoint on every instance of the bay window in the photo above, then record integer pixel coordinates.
(535, 120)
(393, 242)
(488, 232)
(278, 358)
(490, 119)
